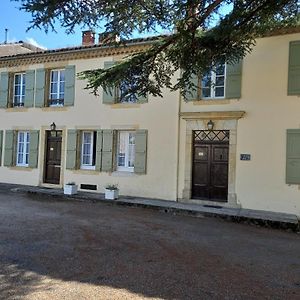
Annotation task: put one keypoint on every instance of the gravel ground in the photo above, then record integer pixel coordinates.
(54, 249)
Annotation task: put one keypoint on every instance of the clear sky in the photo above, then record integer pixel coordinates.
(18, 21)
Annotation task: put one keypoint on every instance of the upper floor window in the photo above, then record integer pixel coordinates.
(88, 149)
(118, 94)
(126, 151)
(19, 89)
(213, 82)
(57, 87)
(23, 148)
(124, 88)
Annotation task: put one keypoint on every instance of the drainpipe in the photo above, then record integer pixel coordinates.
(178, 145)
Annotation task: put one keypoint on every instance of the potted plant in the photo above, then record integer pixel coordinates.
(70, 188)
(111, 191)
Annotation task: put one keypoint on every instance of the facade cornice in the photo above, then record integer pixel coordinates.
(70, 54)
(219, 115)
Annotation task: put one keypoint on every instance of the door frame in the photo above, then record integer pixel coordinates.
(48, 132)
(208, 143)
(42, 153)
(198, 121)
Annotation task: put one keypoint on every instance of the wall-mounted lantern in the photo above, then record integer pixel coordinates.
(210, 125)
(53, 126)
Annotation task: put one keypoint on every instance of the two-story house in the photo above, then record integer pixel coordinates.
(234, 142)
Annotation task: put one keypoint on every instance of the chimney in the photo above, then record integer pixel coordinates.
(108, 38)
(88, 38)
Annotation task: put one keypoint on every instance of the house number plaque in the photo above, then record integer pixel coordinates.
(245, 157)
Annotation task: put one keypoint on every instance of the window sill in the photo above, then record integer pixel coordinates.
(125, 105)
(86, 172)
(54, 108)
(89, 168)
(123, 174)
(20, 168)
(214, 101)
(16, 109)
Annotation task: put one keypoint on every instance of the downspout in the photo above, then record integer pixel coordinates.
(178, 145)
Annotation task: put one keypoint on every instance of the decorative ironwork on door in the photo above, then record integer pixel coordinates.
(211, 136)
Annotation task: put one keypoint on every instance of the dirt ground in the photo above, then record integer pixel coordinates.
(55, 249)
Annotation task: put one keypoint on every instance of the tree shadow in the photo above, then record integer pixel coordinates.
(142, 252)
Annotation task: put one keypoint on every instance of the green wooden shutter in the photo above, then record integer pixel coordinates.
(3, 90)
(71, 159)
(69, 85)
(142, 99)
(233, 80)
(33, 149)
(107, 150)
(99, 150)
(109, 96)
(29, 88)
(9, 148)
(192, 94)
(293, 156)
(294, 69)
(40, 88)
(1, 143)
(140, 160)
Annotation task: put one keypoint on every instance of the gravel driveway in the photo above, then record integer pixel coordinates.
(54, 249)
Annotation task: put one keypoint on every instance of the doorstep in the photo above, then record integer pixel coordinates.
(273, 219)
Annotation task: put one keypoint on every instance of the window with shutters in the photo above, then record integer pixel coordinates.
(126, 151)
(57, 87)
(119, 94)
(88, 149)
(19, 89)
(125, 87)
(213, 82)
(23, 148)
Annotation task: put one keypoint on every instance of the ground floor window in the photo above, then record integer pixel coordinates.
(126, 151)
(88, 149)
(23, 148)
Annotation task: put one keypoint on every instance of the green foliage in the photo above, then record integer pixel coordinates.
(204, 32)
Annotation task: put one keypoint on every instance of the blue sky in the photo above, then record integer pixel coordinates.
(18, 21)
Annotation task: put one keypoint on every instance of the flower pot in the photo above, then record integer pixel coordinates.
(111, 194)
(70, 189)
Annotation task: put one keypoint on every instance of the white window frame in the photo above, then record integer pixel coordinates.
(126, 134)
(89, 166)
(24, 162)
(213, 76)
(57, 92)
(21, 96)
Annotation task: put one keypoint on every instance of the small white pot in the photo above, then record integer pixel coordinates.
(111, 194)
(70, 189)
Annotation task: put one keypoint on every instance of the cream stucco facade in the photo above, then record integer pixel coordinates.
(257, 123)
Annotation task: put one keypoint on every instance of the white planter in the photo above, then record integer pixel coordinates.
(111, 194)
(70, 189)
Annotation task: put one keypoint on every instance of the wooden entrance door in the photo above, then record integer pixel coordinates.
(53, 157)
(210, 170)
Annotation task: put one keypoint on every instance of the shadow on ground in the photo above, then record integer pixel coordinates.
(54, 250)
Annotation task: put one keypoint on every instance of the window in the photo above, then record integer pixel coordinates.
(19, 89)
(124, 88)
(88, 149)
(117, 94)
(213, 82)
(126, 151)
(23, 148)
(57, 88)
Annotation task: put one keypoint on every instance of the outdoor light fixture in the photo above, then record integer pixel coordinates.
(210, 125)
(53, 126)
